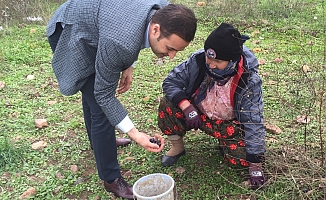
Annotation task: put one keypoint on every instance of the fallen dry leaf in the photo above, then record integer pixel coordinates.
(32, 31)
(256, 50)
(278, 60)
(146, 98)
(271, 82)
(21, 26)
(306, 69)
(262, 61)
(309, 192)
(310, 43)
(74, 168)
(254, 33)
(31, 191)
(184, 186)
(51, 102)
(129, 158)
(246, 183)
(57, 189)
(255, 42)
(39, 145)
(59, 175)
(303, 119)
(2, 84)
(160, 61)
(40, 123)
(201, 3)
(30, 77)
(18, 137)
(272, 140)
(180, 170)
(128, 174)
(273, 128)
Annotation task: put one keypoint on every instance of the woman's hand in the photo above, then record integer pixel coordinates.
(192, 118)
(256, 175)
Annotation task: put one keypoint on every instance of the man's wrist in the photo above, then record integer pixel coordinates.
(133, 133)
(125, 125)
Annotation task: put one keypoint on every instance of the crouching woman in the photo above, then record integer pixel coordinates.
(217, 90)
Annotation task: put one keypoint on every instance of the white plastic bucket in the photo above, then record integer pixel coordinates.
(154, 187)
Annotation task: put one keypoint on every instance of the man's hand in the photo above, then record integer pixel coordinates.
(192, 117)
(144, 140)
(125, 80)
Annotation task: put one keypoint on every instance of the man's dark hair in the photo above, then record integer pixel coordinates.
(176, 19)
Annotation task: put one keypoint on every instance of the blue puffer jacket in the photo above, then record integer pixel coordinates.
(184, 80)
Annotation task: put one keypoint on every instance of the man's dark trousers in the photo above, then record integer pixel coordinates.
(100, 132)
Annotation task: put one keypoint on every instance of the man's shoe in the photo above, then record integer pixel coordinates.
(120, 188)
(122, 142)
(171, 160)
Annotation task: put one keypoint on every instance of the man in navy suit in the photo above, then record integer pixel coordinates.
(95, 43)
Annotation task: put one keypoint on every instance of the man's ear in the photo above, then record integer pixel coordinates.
(156, 29)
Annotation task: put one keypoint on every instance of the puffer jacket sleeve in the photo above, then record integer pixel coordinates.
(179, 82)
(249, 111)
(251, 116)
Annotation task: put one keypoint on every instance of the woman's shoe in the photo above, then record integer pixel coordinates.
(171, 160)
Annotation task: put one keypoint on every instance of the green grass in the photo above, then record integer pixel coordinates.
(284, 30)
(9, 156)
